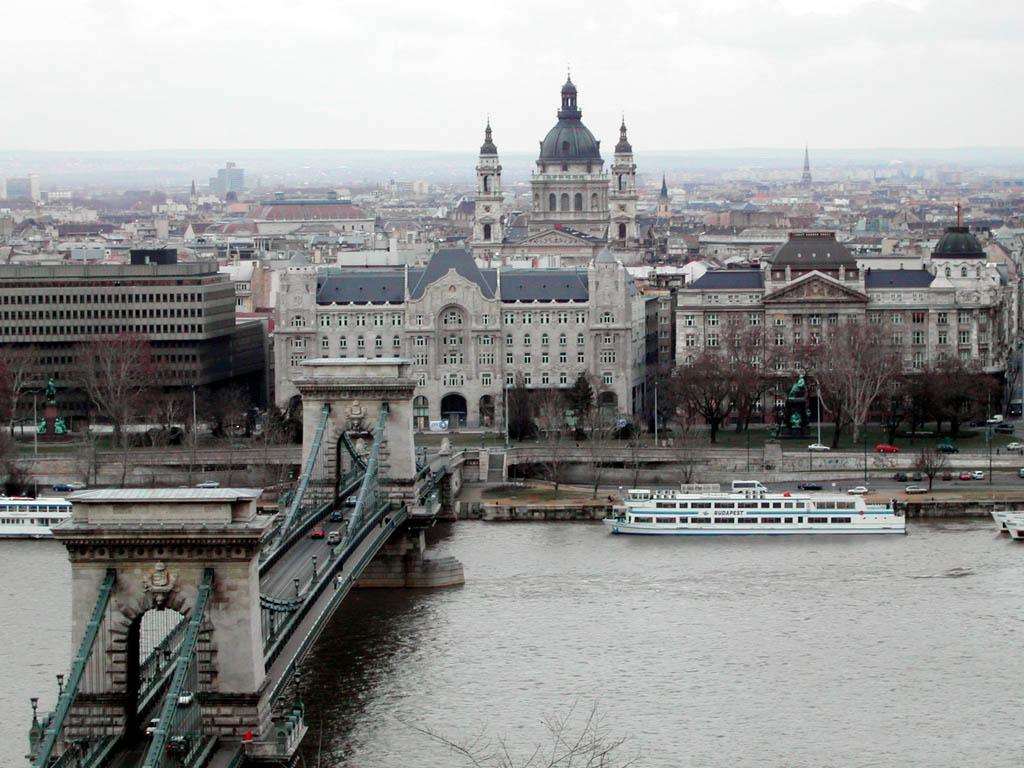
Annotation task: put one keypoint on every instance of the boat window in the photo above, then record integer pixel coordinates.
(771, 519)
(765, 505)
(666, 505)
(664, 519)
(749, 520)
(684, 520)
(840, 520)
(747, 505)
(826, 505)
(789, 519)
(700, 505)
(776, 505)
(799, 519)
(641, 519)
(846, 505)
(724, 505)
(725, 519)
(700, 519)
(817, 519)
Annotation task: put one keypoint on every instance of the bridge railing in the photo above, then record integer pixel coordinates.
(179, 734)
(314, 460)
(42, 752)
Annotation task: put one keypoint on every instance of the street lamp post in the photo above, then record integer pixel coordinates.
(988, 437)
(865, 437)
(506, 415)
(314, 567)
(295, 581)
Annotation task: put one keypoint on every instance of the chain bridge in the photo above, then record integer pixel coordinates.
(192, 612)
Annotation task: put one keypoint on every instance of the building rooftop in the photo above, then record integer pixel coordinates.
(729, 279)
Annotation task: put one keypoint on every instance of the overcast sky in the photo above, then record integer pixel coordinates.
(392, 74)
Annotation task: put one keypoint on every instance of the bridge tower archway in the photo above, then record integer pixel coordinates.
(159, 545)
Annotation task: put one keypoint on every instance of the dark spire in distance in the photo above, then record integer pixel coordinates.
(664, 188)
(805, 178)
(623, 146)
(488, 148)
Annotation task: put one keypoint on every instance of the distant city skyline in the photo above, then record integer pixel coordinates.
(700, 74)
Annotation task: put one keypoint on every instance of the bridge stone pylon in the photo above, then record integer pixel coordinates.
(356, 389)
(159, 543)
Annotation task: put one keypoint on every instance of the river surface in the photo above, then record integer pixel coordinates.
(795, 652)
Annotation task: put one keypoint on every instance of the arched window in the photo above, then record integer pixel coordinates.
(487, 183)
(487, 231)
(420, 412)
(565, 201)
(978, 271)
(622, 182)
(963, 271)
(544, 339)
(565, 147)
(949, 272)
(551, 202)
(622, 231)
(536, 202)
(577, 202)
(594, 202)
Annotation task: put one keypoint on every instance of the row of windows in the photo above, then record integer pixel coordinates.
(341, 321)
(896, 318)
(732, 520)
(102, 296)
(99, 314)
(94, 330)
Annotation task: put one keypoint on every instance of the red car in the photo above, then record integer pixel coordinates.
(317, 533)
(886, 448)
(965, 475)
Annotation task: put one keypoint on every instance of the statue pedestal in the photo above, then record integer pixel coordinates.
(49, 433)
(794, 419)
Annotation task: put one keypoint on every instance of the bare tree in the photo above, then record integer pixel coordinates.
(705, 389)
(749, 356)
(551, 406)
(598, 425)
(571, 746)
(18, 364)
(116, 373)
(930, 461)
(851, 366)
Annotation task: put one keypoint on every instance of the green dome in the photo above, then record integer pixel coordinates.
(958, 243)
(570, 140)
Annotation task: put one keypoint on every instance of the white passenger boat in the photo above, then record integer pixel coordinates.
(750, 509)
(25, 518)
(1000, 517)
(1015, 525)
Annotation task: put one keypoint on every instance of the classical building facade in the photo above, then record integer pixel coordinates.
(470, 332)
(958, 305)
(578, 207)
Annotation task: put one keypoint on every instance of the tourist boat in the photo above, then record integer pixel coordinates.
(750, 509)
(1015, 525)
(1000, 517)
(25, 518)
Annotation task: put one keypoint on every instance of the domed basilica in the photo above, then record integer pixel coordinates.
(578, 208)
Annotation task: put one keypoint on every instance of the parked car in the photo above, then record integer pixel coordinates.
(965, 475)
(1015, 446)
(64, 487)
(977, 475)
(997, 419)
(886, 448)
(916, 489)
(858, 490)
(809, 487)
(209, 484)
(818, 447)
(317, 533)
(949, 475)
(1004, 429)
(977, 422)
(947, 448)
(916, 476)
(900, 477)
(1020, 472)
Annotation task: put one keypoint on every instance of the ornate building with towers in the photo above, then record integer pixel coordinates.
(578, 207)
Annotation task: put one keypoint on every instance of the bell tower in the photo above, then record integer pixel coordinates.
(664, 201)
(622, 199)
(487, 228)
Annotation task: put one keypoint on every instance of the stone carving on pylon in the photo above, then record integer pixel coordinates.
(159, 584)
(356, 415)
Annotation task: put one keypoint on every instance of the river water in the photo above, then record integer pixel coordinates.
(775, 651)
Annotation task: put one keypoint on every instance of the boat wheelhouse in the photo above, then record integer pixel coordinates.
(750, 509)
(25, 518)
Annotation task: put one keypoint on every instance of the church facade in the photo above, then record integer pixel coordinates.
(578, 208)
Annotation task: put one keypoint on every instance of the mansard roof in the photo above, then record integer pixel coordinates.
(445, 259)
(544, 285)
(729, 279)
(361, 287)
(897, 278)
(814, 250)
